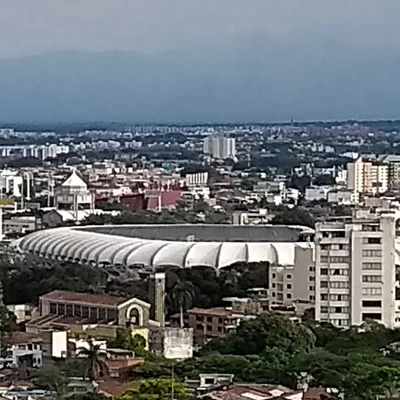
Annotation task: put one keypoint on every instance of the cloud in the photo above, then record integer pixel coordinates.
(154, 26)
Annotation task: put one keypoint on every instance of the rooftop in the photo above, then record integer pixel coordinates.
(217, 311)
(86, 298)
(74, 181)
(206, 233)
(256, 392)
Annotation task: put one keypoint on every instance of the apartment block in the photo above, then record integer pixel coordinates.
(294, 283)
(367, 176)
(219, 147)
(355, 270)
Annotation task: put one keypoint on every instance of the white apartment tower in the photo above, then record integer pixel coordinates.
(355, 271)
(219, 147)
(367, 177)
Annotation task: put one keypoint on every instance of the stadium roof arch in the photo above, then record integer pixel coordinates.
(156, 246)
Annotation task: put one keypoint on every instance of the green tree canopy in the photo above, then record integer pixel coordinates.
(158, 389)
(266, 335)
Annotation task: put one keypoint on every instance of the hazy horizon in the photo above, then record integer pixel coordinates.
(157, 60)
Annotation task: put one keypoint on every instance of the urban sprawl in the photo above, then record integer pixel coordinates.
(216, 262)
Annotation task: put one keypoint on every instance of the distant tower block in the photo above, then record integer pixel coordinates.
(157, 297)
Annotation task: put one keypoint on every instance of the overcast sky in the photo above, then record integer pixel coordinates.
(154, 26)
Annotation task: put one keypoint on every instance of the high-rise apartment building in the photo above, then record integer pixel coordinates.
(355, 270)
(393, 161)
(367, 177)
(219, 147)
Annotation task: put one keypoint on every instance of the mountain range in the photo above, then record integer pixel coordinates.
(257, 82)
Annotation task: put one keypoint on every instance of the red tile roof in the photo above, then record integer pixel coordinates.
(83, 298)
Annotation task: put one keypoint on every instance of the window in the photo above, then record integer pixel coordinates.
(372, 303)
(340, 234)
(324, 271)
(199, 318)
(273, 276)
(209, 319)
(93, 312)
(324, 246)
(371, 240)
(289, 285)
(53, 308)
(220, 321)
(288, 276)
(102, 313)
(289, 295)
(377, 316)
(339, 285)
(372, 253)
(69, 310)
(324, 310)
(273, 285)
(339, 297)
(370, 228)
(311, 288)
(324, 296)
(85, 311)
(341, 272)
(311, 268)
(199, 327)
(324, 284)
(77, 311)
(324, 259)
(371, 265)
(372, 278)
(209, 328)
(112, 314)
(377, 291)
(219, 329)
(311, 298)
(339, 260)
(273, 294)
(311, 278)
(61, 309)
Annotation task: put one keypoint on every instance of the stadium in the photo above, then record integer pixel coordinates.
(160, 246)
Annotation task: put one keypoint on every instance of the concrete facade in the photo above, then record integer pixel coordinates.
(356, 270)
(172, 343)
(295, 282)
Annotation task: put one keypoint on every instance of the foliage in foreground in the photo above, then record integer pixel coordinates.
(272, 349)
(158, 390)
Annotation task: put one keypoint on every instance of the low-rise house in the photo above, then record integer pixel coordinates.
(212, 322)
(117, 361)
(25, 350)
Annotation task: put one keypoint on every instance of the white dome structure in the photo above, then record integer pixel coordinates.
(74, 182)
(73, 194)
(157, 246)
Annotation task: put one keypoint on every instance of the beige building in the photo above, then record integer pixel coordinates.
(294, 283)
(355, 270)
(367, 177)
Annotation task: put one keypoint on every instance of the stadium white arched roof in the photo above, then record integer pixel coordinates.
(164, 245)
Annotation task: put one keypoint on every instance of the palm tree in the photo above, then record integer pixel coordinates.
(94, 365)
(181, 296)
